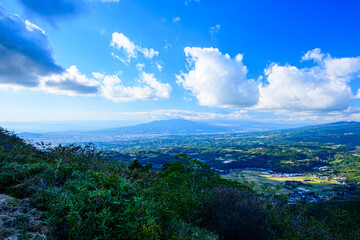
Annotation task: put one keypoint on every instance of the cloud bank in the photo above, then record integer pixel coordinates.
(216, 79)
(149, 88)
(323, 87)
(70, 82)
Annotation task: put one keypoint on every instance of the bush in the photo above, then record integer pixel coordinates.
(99, 208)
(234, 214)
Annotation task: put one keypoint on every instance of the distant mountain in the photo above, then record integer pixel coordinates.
(27, 135)
(324, 132)
(253, 126)
(342, 126)
(337, 132)
(329, 128)
(145, 130)
(173, 126)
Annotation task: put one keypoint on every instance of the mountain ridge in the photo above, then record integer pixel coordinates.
(177, 127)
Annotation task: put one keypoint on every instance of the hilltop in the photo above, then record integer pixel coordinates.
(86, 195)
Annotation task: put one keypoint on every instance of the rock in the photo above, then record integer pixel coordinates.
(19, 217)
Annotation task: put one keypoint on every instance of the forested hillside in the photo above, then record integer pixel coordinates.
(84, 195)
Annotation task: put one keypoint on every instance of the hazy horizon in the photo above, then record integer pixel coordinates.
(62, 126)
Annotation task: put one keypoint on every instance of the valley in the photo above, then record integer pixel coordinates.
(322, 159)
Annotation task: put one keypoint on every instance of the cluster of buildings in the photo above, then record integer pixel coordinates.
(286, 174)
(305, 195)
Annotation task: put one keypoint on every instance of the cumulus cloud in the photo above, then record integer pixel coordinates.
(314, 54)
(120, 41)
(27, 60)
(129, 48)
(149, 89)
(323, 87)
(160, 90)
(216, 79)
(25, 52)
(70, 82)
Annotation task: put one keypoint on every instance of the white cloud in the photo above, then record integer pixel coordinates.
(121, 42)
(348, 114)
(130, 117)
(314, 54)
(119, 58)
(214, 29)
(164, 114)
(25, 52)
(149, 89)
(70, 82)
(159, 67)
(161, 90)
(140, 66)
(357, 96)
(218, 80)
(191, 115)
(323, 87)
(32, 27)
(176, 19)
(148, 52)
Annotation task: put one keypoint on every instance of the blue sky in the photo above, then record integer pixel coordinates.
(277, 61)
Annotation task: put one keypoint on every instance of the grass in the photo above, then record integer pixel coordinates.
(259, 179)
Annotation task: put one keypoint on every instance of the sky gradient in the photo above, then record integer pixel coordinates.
(137, 60)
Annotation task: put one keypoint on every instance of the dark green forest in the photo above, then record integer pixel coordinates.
(85, 194)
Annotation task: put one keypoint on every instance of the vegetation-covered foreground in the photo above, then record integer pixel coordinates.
(85, 196)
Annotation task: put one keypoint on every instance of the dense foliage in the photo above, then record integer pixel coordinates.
(87, 196)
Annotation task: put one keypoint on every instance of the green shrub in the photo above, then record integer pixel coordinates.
(98, 207)
(234, 214)
(20, 179)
